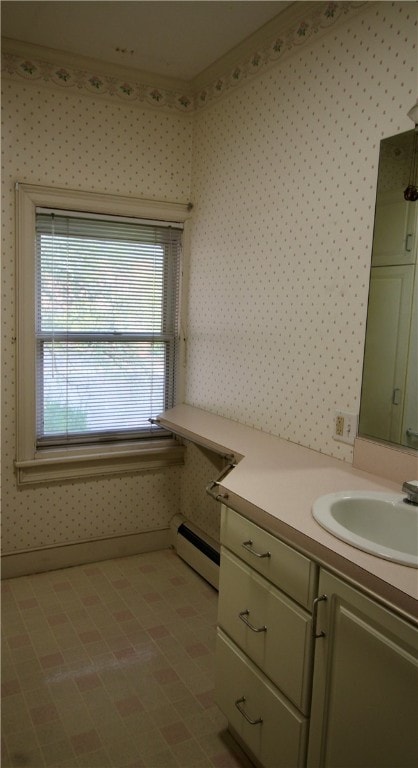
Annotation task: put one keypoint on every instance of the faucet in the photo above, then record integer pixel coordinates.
(410, 487)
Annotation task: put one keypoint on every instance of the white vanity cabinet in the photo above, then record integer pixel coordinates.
(364, 710)
(265, 644)
(310, 671)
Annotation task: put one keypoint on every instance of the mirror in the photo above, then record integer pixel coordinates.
(389, 396)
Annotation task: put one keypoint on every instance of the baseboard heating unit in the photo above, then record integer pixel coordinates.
(196, 548)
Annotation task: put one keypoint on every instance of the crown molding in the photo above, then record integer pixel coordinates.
(293, 28)
(55, 56)
(59, 68)
(259, 38)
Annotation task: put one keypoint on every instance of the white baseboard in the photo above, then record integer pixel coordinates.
(68, 555)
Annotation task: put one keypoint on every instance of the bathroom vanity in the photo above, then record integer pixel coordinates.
(310, 671)
(317, 640)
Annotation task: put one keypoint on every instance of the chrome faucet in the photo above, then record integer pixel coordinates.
(410, 487)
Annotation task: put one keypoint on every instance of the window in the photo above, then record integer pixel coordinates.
(106, 321)
(98, 337)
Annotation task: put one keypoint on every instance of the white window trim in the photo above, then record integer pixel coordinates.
(33, 466)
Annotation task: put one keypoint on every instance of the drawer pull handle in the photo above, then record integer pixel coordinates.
(248, 546)
(317, 600)
(243, 616)
(243, 712)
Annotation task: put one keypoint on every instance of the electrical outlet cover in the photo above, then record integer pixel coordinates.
(345, 427)
(339, 426)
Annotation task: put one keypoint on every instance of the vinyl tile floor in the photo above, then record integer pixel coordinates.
(112, 664)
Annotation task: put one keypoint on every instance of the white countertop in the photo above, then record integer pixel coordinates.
(276, 482)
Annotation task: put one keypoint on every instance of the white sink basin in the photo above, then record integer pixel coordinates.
(382, 524)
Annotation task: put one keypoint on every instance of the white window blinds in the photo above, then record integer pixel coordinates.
(106, 326)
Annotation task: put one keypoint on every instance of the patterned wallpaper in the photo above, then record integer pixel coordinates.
(70, 139)
(283, 171)
(200, 468)
(284, 183)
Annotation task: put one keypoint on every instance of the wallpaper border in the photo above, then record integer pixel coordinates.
(314, 21)
(128, 90)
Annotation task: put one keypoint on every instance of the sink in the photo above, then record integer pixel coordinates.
(382, 524)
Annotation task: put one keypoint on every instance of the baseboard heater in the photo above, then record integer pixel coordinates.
(196, 548)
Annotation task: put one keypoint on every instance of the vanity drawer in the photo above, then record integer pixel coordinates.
(292, 572)
(270, 628)
(279, 741)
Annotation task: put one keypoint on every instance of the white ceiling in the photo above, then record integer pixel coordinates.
(173, 38)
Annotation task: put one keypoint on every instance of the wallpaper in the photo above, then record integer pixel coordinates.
(68, 139)
(200, 468)
(284, 184)
(281, 168)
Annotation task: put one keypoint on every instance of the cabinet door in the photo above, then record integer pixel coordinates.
(365, 688)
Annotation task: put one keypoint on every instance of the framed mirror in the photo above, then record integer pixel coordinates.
(389, 396)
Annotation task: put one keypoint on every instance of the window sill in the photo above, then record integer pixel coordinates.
(73, 463)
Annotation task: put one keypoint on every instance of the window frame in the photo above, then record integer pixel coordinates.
(68, 462)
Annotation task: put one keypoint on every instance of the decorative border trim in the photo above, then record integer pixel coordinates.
(103, 85)
(317, 19)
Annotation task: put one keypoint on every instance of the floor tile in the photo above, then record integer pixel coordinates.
(110, 665)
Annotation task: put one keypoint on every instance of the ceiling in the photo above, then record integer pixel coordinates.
(173, 38)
